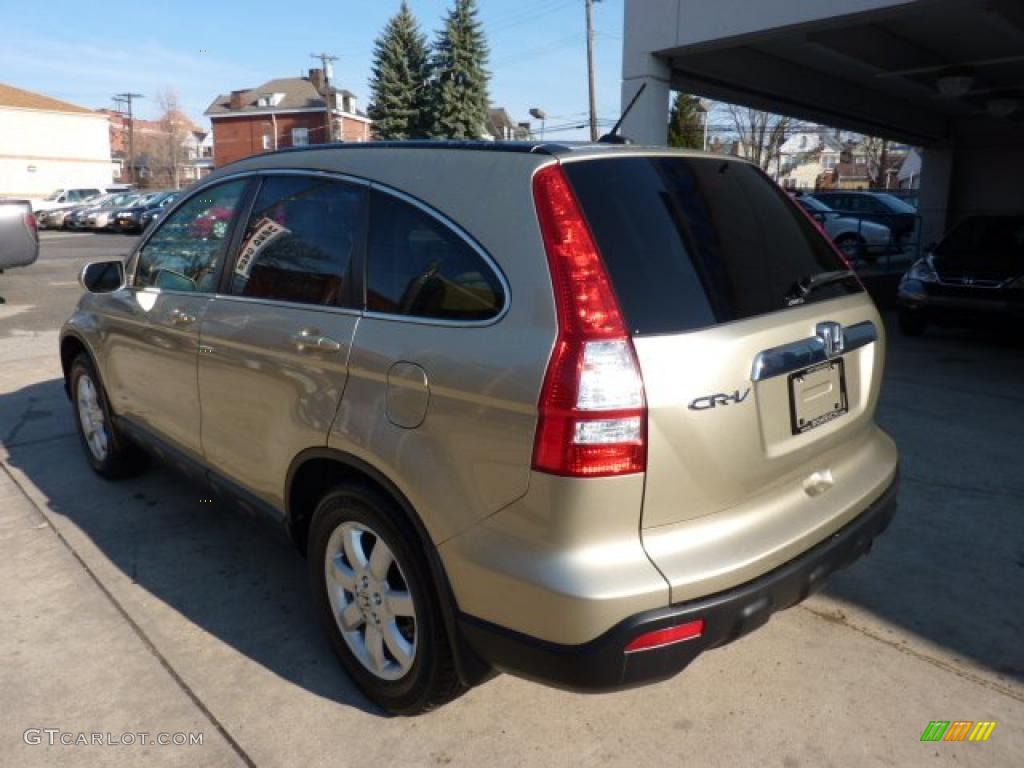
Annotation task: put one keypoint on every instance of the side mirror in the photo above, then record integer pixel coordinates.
(102, 276)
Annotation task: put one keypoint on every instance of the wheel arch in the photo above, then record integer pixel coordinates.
(71, 346)
(313, 473)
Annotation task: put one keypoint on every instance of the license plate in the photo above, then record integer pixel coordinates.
(817, 395)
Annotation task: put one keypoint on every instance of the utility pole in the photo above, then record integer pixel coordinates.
(590, 69)
(326, 65)
(127, 99)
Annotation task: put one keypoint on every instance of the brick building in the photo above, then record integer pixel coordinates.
(157, 162)
(286, 112)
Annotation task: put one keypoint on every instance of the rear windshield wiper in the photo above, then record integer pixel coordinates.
(805, 286)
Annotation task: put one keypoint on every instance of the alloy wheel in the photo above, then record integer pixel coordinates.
(92, 418)
(371, 600)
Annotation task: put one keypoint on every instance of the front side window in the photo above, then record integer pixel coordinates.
(300, 241)
(184, 254)
(300, 137)
(419, 267)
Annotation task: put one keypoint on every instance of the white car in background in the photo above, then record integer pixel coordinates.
(70, 196)
(856, 238)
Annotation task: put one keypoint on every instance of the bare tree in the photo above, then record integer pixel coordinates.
(760, 134)
(168, 151)
(876, 153)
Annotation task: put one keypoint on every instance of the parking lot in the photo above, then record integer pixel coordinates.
(143, 606)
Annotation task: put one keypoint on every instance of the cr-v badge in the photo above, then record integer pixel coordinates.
(710, 401)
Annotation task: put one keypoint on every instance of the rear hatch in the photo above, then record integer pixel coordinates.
(739, 307)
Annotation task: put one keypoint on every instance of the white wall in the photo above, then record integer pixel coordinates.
(64, 149)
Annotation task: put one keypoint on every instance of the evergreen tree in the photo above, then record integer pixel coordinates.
(400, 78)
(459, 99)
(685, 124)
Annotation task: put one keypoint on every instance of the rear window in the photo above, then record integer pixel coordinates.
(692, 242)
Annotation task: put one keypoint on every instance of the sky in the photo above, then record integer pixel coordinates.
(85, 53)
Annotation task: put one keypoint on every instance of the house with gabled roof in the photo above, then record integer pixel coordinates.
(284, 112)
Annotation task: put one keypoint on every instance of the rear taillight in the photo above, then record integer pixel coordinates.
(32, 224)
(592, 414)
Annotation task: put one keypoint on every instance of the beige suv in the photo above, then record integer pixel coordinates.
(573, 413)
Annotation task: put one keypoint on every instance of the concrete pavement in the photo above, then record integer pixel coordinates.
(141, 606)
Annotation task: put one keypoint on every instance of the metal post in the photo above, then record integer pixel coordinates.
(128, 98)
(326, 60)
(590, 69)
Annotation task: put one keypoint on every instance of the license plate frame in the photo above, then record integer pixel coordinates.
(810, 404)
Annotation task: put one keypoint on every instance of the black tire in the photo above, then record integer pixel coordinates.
(122, 457)
(852, 246)
(431, 681)
(912, 322)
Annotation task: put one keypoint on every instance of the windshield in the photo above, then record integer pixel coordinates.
(985, 243)
(692, 242)
(895, 203)
(118, 201)
(814, 205)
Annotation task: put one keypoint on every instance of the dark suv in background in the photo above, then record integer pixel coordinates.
(976, 273)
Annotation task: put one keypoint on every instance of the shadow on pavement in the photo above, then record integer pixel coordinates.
(224, 571)
(950, 569)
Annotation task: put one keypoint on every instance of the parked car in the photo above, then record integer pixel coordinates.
(854, 237)
(76, 218)
(99, 216)
(975, 273)
(129, 218)
(19, 237)
(578, 426)
(65, 196)
(880, 207)
(149, 216)
(54, 217)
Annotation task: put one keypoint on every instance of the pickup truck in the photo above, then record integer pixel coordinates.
(19, 238)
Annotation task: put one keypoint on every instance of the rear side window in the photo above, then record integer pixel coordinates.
(417, 266)
(300, 241)
(691, 242)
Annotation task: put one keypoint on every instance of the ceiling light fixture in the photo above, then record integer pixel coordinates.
(1003, 106)
(953, 85)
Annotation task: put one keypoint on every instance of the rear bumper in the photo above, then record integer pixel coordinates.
(602, 665)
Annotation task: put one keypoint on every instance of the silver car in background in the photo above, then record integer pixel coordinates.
(856, 238)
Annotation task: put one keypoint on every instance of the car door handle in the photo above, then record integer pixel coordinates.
(181, 317)
(309, 339)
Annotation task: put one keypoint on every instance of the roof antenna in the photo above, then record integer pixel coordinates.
(612, 137)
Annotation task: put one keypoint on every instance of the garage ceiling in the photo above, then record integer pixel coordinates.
(907, 72)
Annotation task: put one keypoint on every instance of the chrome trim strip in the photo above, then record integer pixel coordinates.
(351, 311)
(859, 335)
(807, 352)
